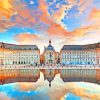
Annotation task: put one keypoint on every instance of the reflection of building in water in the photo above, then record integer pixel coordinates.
(80, 54)
(42, 58)
(49, 74)
(71, 75)
(23, 75)
(32, 75)
(49, 55)
(19, 54)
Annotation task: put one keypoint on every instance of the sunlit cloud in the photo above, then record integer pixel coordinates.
(25, 38)
(48, 25)
(5, 24)
(6, 9)
(95, 14)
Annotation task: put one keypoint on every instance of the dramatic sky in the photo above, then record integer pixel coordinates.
(62, 21)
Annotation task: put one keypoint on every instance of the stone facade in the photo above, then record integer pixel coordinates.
(50, 55)
(80, 54)
(11, 54)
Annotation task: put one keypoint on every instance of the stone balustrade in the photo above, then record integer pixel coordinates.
(50, 67)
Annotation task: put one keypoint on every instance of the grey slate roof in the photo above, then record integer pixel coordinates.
(81, 47)
(18, 47)
(50, 47)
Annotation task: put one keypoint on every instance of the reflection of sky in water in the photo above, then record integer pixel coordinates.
(71, 96)
(41, 91)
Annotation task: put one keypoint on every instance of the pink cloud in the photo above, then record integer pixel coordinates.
(25, 38)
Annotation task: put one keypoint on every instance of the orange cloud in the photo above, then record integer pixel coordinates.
(53, 28)
(90, 30)
(95, 14)
(5, 24)
(26, 38)
(83, 34)
(59, 14)
(83, 31)
(57, 29)
(24, 17)
(82, 91)
(6, 9)
(6, 12)
(43, 7)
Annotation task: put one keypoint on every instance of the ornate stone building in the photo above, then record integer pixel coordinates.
(11, 54)
(49, 55)
(80, 54)
(19, 54)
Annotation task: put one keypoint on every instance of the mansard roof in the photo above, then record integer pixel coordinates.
(81, 47)
(18, 47)
(50, 47)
